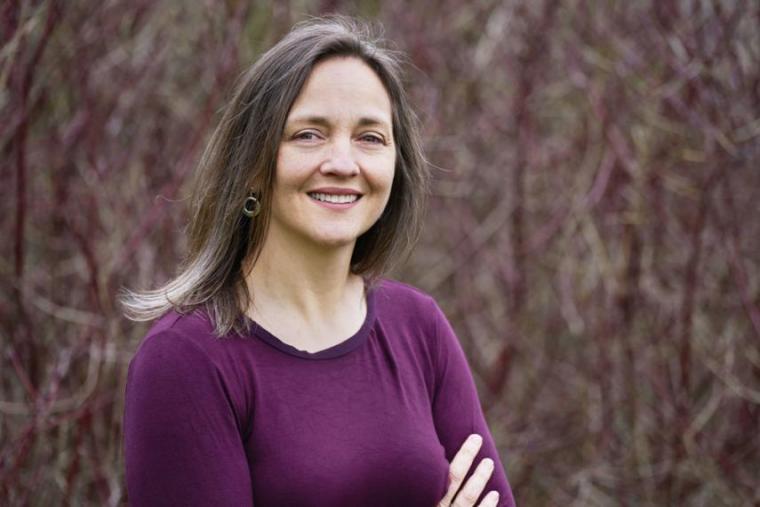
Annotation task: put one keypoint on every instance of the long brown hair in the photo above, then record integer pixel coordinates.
(242, 154)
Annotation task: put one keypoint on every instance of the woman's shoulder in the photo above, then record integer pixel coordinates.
(405, 302)
(192, 323)
(400, 292)
(178, 365)
(176, 333)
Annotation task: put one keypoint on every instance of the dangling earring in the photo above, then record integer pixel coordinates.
(252, 205)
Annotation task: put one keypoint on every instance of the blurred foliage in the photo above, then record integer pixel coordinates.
(593, 234)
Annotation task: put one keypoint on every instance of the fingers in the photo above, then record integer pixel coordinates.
(458, 469)
(460, 465)
(475, 485)
(490, 500)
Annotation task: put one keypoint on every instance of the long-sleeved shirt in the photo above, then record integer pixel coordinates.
(250, 420)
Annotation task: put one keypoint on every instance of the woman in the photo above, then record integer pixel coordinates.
(283, 369)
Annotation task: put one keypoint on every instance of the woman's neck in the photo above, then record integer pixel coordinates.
(304, 281)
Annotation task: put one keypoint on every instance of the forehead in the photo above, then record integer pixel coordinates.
(343, 87)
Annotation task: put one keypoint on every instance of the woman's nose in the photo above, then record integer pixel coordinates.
(340, 160)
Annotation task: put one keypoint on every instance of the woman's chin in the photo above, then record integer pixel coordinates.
(334, 241)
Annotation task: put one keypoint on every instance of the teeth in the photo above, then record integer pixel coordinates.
(335, 199)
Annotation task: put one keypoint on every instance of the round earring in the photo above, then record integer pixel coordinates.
(251, 206)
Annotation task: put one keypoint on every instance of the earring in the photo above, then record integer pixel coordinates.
(252, 205)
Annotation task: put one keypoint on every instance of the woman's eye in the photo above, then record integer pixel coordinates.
(372, 138)
(306, 136)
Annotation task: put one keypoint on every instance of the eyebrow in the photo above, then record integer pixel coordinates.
(364, 121)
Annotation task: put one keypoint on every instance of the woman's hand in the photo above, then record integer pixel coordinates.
(474, 487)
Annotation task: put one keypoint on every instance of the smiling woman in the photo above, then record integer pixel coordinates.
(283, 369)
(336, 160)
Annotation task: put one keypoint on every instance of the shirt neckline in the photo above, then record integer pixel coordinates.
(337, 350)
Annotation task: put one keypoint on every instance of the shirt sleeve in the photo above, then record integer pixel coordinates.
(182, 444)
(457, 411)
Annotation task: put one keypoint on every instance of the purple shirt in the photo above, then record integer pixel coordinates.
(240, 421)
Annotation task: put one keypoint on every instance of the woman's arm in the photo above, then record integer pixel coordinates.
(181, 438)
(457, 411)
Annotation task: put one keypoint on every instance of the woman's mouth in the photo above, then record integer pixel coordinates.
(334, 198)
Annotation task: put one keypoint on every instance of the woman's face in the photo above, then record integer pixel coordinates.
(336, 160)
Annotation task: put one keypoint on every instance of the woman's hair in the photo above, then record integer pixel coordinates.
(242, 155)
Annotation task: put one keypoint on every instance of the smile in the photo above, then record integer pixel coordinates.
(334, 198)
